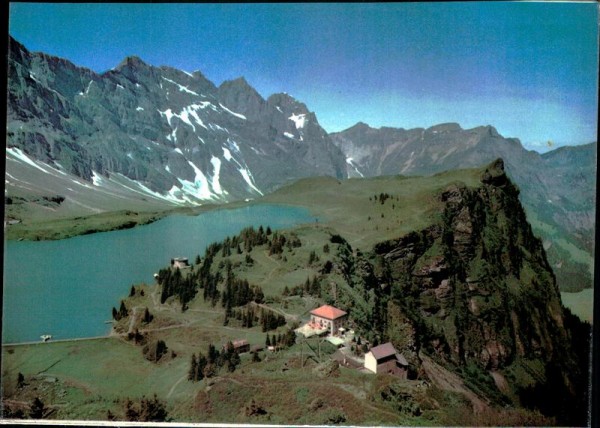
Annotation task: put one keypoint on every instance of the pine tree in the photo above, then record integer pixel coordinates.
(201, 366)
(20, 380)
(123, 310)
(268, 341)
(147, 316)
(132, 291)
(193, 372)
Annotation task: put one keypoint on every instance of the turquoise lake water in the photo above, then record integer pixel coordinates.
(67, 288)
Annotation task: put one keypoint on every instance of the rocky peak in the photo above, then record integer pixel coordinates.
(287, 103)
(494, 174)
(239, 96)
(134, 62)
(445, 127)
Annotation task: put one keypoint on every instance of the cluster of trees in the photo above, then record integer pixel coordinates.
(381, 198)
(270, 320)
(310, 286)
(148, 410)
(154, 350)
(209, 365)
(175, 283)
(121, 313)
(312, 257)
(248, 238)
(281, 340)
(248, 316)
(279, 242)
(239, 292)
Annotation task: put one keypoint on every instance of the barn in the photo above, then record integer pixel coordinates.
(385, 359)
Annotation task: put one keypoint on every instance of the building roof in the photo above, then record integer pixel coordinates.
(239, 342)
(382, 351)
(328, 312)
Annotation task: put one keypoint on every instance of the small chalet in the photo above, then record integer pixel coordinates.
(179, 262)
(240, 346)
(385, 359)
(328, 317)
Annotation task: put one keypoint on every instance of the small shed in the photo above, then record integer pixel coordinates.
(385, 359)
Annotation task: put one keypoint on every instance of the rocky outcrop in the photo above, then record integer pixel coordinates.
(477, 286)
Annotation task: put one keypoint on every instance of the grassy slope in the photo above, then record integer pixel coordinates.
(96, 375)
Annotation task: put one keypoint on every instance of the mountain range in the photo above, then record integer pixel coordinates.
(140, 133)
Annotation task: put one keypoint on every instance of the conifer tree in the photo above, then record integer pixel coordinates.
(193, 372)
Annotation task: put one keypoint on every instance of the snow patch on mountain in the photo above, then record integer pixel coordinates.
(181, 87)
(19, 155)
(287, 134)
(298, 119)
(233, 145)
(241, 116)
(184, 115)
(249, 179)
(96, 179)
(139, 108)
(216, 127)
(350, 161)
(227, 154)
(199, 188)
(216, 163)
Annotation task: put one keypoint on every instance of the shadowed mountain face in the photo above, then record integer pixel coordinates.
(557, 188)
(170, 132)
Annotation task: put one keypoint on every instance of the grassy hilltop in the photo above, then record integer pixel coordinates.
(159, 329)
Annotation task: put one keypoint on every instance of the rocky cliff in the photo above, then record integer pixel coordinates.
(475, 291)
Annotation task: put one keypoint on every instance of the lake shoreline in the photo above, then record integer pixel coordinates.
(58, 229)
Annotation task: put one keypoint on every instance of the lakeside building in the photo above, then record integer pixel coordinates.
(385, 359)
(180, 262)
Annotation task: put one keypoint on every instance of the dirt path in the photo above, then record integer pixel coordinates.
(279, 311)
(272, 271)
(133, 320)
(181, 379)
(448, 381)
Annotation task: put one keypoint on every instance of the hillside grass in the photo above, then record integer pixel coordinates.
(345, 205)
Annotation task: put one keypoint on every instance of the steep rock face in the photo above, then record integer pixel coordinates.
(478, 290)
(174, 134)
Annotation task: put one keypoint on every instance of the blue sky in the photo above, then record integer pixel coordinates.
(529, 69)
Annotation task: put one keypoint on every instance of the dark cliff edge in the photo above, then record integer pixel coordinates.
(476, 294)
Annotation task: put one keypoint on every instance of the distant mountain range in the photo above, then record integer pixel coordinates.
(166, 135)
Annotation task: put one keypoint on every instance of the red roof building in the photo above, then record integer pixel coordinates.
(328, 312)
(328, 317)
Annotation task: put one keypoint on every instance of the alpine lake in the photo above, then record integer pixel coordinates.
(67, 288)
